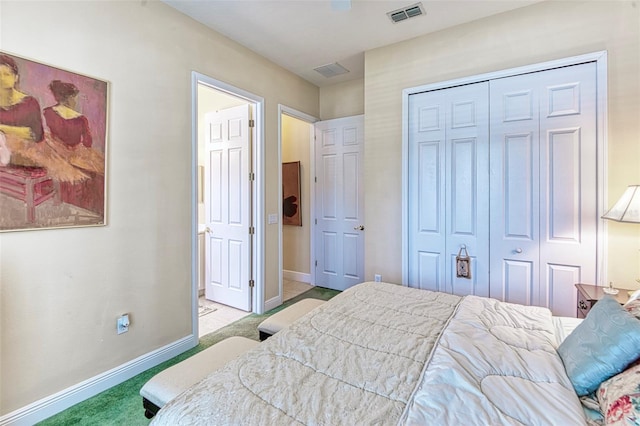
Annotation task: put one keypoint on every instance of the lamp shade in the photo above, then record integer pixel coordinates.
(627, 208)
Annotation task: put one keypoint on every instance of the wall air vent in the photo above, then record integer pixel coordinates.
(405, 13)
(331, 70)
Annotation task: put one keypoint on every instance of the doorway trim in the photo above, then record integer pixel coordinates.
(257, 210)
(283, 109)
(600, 58)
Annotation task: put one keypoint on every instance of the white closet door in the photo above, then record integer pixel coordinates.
(543, 186)
(448, 188)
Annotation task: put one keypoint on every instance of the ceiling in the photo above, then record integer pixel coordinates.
(301, 35)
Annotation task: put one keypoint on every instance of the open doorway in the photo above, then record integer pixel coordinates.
(227, 204)
(296, 157)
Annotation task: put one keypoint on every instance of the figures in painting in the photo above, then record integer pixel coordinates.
(19, 112)
(51, 148)
(22, 129)
(70, 133)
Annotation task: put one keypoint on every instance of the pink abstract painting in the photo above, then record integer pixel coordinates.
(53, 145)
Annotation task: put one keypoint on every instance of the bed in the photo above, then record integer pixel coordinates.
(381, 353)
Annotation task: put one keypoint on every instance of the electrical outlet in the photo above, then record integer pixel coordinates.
(123, 324)
(377, 278)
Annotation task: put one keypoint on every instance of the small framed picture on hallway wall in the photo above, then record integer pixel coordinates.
(53, 144)
(291, 194)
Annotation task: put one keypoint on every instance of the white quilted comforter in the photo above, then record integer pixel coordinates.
(385, 354)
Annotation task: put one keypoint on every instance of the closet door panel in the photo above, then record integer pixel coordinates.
(521, 278)
(569, 216)
(426, 192)
(519, 159)
(429, 276)
(467, 182)
(428, 186)
(467, 214)
(514, 183)
(463, 212)
(543, 183)
(448, 188)
(563, 186)
(559, 290)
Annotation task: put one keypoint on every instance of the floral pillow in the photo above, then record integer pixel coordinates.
(619, 397)
(633, 307)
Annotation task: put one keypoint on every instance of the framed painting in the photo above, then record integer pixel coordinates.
(53, 145)
(291, 194)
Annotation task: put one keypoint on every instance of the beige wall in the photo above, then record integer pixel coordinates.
(296, 240)
(542, 32)
(342, 100)
(61, 290)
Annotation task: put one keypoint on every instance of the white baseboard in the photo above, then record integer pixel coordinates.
(286, 275)
(66, 398)
(296, 276)
(272, 303)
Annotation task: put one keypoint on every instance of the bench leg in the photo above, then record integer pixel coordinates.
(264, 336)
(150, 409)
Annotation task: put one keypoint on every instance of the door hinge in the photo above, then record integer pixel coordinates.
(252, 123)
(316, 263)
(316, 221)
(252, 176)
(252, 283)
(252, 230)
(316, 179)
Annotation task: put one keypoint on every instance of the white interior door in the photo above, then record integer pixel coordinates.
(339, 228)
(228, 207)
(543, 186)
(448, 188)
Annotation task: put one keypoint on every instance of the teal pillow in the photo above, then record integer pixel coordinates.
(606, 342)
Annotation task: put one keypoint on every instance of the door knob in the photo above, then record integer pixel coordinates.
(518, 250)
(359, 228)
(207, 229)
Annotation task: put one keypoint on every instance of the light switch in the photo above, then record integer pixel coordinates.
(273, 218)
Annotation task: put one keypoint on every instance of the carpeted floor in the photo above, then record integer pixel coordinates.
(122, 404)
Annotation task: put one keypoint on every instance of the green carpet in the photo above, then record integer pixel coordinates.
(122, 404)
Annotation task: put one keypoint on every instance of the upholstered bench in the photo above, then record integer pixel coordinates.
(171, 382)
(282, 319)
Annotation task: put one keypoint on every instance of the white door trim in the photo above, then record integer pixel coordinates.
(600, 58)
(257, 210)
(283, 109)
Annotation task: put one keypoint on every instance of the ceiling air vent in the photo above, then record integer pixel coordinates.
(406, 13)
(331, 70)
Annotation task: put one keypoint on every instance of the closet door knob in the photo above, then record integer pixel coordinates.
(359, 228)
(518, 250)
